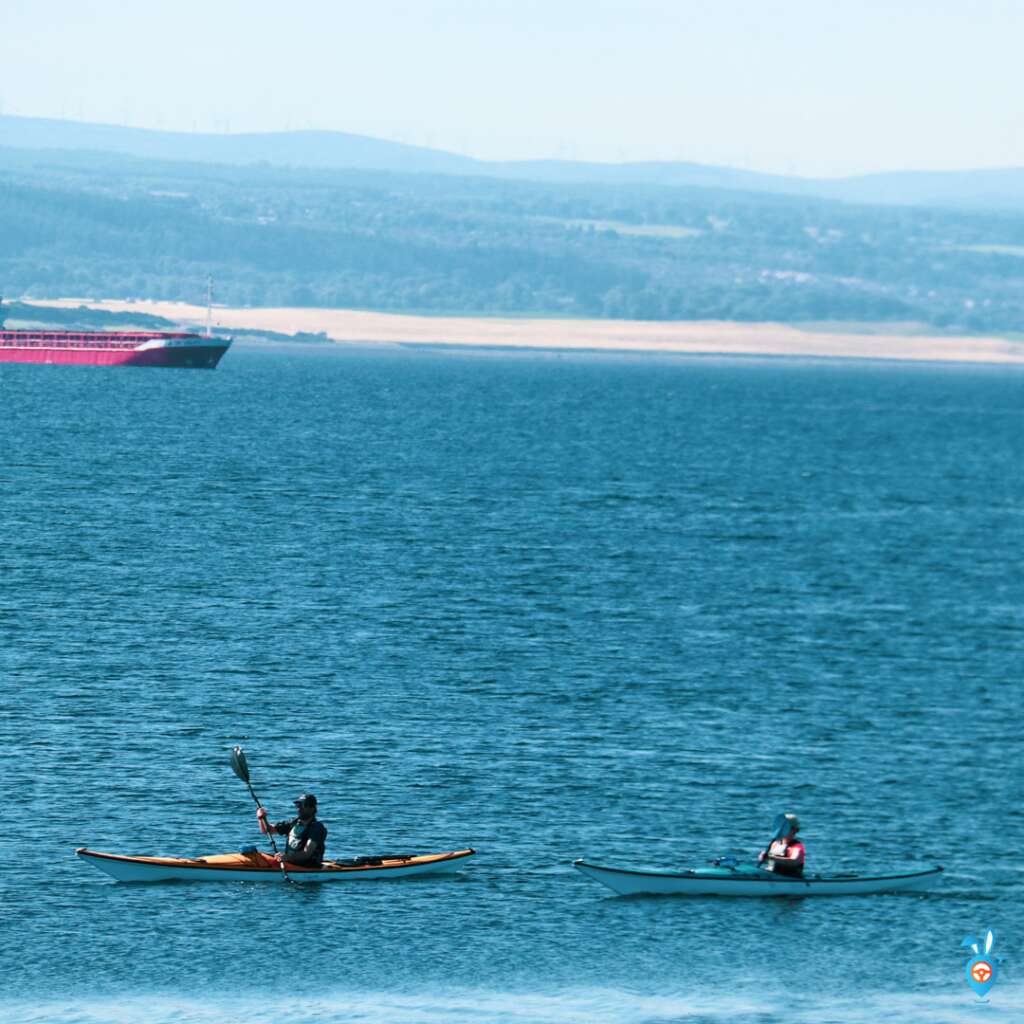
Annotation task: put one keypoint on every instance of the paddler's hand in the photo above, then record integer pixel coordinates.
(261, 817)
(279, 857)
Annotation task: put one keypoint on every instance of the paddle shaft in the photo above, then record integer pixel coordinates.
(270, 835)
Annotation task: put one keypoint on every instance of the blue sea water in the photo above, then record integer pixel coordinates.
(544, 605)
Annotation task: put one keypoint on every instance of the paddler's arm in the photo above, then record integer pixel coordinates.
(305, 856)
(793, 855)
(312, 851)
(309, 854)
(282, 828)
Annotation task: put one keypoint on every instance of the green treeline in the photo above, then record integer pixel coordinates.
(100, 226)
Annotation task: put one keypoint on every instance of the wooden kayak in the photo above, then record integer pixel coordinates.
(749, 881)
(261, 867)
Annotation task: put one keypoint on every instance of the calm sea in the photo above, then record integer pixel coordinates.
(544, 605)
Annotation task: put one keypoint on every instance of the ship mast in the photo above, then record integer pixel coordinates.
(209, 303)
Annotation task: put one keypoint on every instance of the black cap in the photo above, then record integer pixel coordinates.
(306, 800)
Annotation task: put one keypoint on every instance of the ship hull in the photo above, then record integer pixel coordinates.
(204, 357)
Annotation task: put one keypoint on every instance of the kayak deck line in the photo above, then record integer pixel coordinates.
(751, 881)
(256, 866)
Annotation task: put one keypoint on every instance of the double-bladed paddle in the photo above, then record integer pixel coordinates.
(241, 768)
(780, 828)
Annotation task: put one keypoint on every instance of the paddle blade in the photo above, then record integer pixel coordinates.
(239, 765)
(780, 827)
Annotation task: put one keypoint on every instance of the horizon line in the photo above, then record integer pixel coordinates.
(492, 161)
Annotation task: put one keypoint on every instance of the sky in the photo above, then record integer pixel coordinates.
(822, 88)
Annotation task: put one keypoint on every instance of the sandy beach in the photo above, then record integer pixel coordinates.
(687, 337)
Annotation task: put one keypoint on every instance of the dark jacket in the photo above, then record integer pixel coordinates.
(306, 841)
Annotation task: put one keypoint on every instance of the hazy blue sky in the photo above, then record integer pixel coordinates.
(783, 85)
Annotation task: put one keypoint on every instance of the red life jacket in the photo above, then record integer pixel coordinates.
(787, 857)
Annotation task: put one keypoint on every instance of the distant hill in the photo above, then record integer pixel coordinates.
(95, 223)
(284, 149)
(983, 189)
(986, 189)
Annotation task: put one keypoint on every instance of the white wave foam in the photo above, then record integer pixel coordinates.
(591, 1006)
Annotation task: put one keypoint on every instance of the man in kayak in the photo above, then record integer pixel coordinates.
(307, 837)
(785, 854)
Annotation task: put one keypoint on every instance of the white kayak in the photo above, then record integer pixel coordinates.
(749, 881)
(260, 867)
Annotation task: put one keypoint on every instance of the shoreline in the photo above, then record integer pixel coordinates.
(687, 337)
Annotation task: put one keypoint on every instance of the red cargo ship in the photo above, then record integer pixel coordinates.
(112, 348)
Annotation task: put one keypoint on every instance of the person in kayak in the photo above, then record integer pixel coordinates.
(785, 854)
(307, 837)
